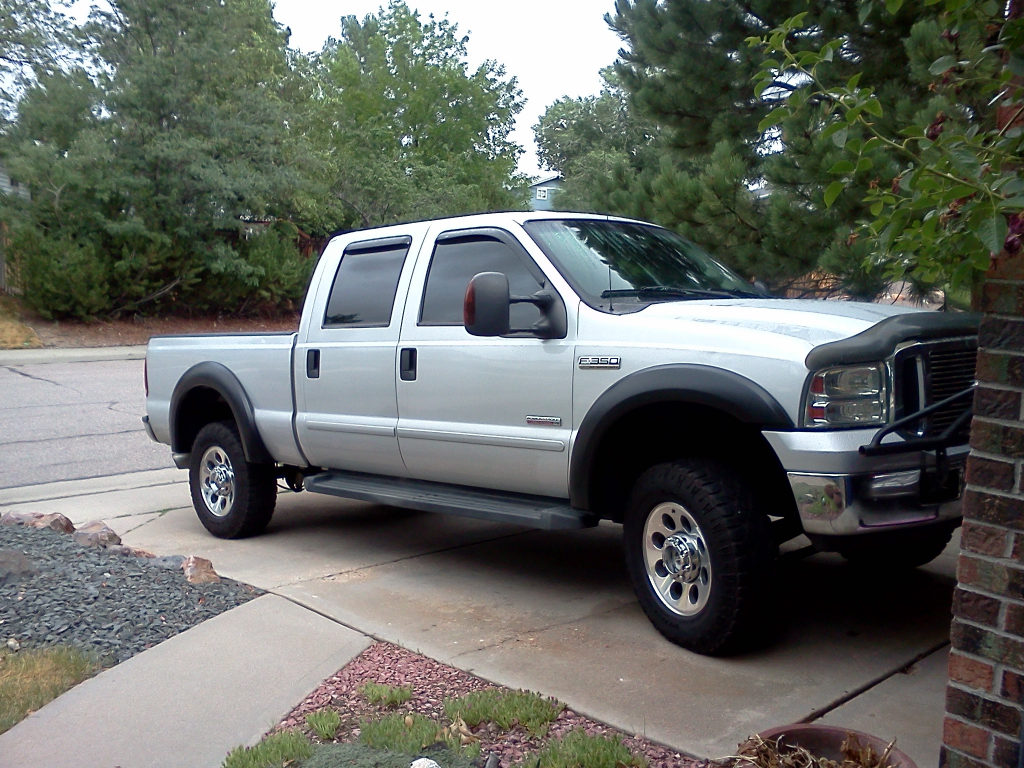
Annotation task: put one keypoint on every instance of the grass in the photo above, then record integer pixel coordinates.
(31, 679)
(386, 695)
(505, 709)
(274, 751)
(405, 733)
(324, 723)
(361, 756)
(13, 333)
(578, 750)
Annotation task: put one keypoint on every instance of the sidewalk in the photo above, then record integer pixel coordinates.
(70, 355)
(191, 699)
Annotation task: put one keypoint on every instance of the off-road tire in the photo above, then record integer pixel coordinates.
(740, 548)
(254, 485)
(898, 550)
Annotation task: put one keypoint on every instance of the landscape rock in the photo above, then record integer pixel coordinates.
(126, 551)
(199, 570)
(53, 520)
(14, 565)
(96, 534)
(13, 645)
(170, 562)
(424, 762)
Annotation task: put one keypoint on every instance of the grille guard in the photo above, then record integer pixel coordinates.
(938, 443)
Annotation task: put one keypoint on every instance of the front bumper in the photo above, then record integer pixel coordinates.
(840, 492)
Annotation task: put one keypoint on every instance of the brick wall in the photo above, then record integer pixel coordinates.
(986, 662)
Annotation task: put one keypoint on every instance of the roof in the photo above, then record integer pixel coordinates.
(546, 179)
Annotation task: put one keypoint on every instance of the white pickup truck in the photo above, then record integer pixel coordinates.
(555, 370)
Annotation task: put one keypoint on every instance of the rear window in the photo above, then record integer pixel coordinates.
(365, 285)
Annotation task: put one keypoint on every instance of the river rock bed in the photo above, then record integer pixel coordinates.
(56, 591)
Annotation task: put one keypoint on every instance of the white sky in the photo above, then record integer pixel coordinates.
(554, 48)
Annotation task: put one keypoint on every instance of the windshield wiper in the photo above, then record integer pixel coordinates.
(667, 292)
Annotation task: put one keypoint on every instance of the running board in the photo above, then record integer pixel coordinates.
(499, 506)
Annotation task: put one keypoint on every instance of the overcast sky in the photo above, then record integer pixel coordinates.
(554, 48)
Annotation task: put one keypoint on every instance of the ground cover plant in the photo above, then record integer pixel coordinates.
(386, 695)
(452, 714)
(31, 679)
(283, 748)
(14, 334)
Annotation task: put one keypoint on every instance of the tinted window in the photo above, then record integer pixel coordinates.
(453, 266)
(363, 294)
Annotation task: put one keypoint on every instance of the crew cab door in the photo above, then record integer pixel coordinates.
(486, 412)
(347, 411)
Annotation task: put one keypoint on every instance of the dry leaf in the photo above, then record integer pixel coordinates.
(408, 721)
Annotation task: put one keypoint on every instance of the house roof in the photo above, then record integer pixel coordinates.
(546, 179)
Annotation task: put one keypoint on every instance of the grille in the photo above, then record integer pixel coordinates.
(929, 373)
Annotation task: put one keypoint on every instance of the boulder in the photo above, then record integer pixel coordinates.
(14, 566)
(96, 534)
(53, 520)
(126, 551)
(199, 570)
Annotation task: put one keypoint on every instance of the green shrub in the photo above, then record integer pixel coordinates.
(578, 750)
(324, 722)
(272, 752)
(385, 695)
(505, 709)
(361, 756)
(60, 278)
(404, 733)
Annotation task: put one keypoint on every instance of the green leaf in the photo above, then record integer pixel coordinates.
(839, 136)
(865, 11)
(759, 88)
(873, 107)
(773, 118)
(876, 208)
(843, 166)
(942, 64)
(832, 192)
(992, 233)
(852, 83)
(892, 6)
(864, 164)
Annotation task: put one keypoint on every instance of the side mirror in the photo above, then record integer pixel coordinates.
(762, 287)
(485, 309)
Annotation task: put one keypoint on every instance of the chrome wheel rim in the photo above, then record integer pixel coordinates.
(217, 481)
(677, 559)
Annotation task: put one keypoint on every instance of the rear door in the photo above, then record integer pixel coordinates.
(489, 412)
(347, 409)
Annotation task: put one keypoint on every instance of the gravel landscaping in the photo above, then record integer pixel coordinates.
(56, 591)
(431, 683)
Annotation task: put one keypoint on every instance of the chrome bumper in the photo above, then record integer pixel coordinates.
(839, 492)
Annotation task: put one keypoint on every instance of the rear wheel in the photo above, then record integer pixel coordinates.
(233, 498)
(699, 553)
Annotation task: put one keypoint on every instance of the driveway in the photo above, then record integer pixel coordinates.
(552, 612)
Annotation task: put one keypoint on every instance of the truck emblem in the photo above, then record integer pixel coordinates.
(545, 421)
(600, 362)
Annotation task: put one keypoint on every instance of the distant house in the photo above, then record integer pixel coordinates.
(543, 191)
(9, 186)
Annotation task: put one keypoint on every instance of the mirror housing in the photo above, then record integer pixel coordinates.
(485, 310)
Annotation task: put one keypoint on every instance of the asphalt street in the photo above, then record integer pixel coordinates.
(70, 421)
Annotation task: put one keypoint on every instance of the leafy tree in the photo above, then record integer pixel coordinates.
(407, 129)
(957, 196)
(34, 36)
(713, 173)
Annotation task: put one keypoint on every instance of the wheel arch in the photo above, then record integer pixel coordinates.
(209, 392)
(693, 410)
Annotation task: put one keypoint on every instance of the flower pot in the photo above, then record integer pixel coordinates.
(826, 741)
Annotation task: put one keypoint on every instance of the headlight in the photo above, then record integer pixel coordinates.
(847, 396)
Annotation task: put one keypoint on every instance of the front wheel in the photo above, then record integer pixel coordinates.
(698, 552)
(233, 498)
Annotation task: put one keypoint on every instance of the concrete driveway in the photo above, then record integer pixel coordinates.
(554, 612)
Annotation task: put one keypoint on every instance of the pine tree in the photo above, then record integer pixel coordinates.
(752, 197)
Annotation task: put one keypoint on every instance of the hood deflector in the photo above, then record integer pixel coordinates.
(879, 341)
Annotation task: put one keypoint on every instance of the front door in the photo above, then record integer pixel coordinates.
(345, 367)
(488, 412)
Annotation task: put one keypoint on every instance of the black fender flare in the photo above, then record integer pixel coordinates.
(736, 395)
(220, 379)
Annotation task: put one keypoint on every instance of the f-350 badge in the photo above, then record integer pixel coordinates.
(592, 363)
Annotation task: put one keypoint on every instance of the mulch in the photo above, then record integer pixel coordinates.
(431, 683)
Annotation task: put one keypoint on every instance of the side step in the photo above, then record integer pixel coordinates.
(500, 506)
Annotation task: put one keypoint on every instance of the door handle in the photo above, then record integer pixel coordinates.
(407, 364)
(312, 363)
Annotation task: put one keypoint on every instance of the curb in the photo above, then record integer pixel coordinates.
(70, 355)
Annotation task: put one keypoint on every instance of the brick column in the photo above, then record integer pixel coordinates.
(986, 662)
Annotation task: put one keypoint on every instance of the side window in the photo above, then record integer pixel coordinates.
(452, 267)
(363, 294)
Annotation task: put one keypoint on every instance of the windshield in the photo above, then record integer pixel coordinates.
(616, 265)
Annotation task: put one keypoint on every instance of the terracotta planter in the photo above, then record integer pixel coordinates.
(826, 740)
